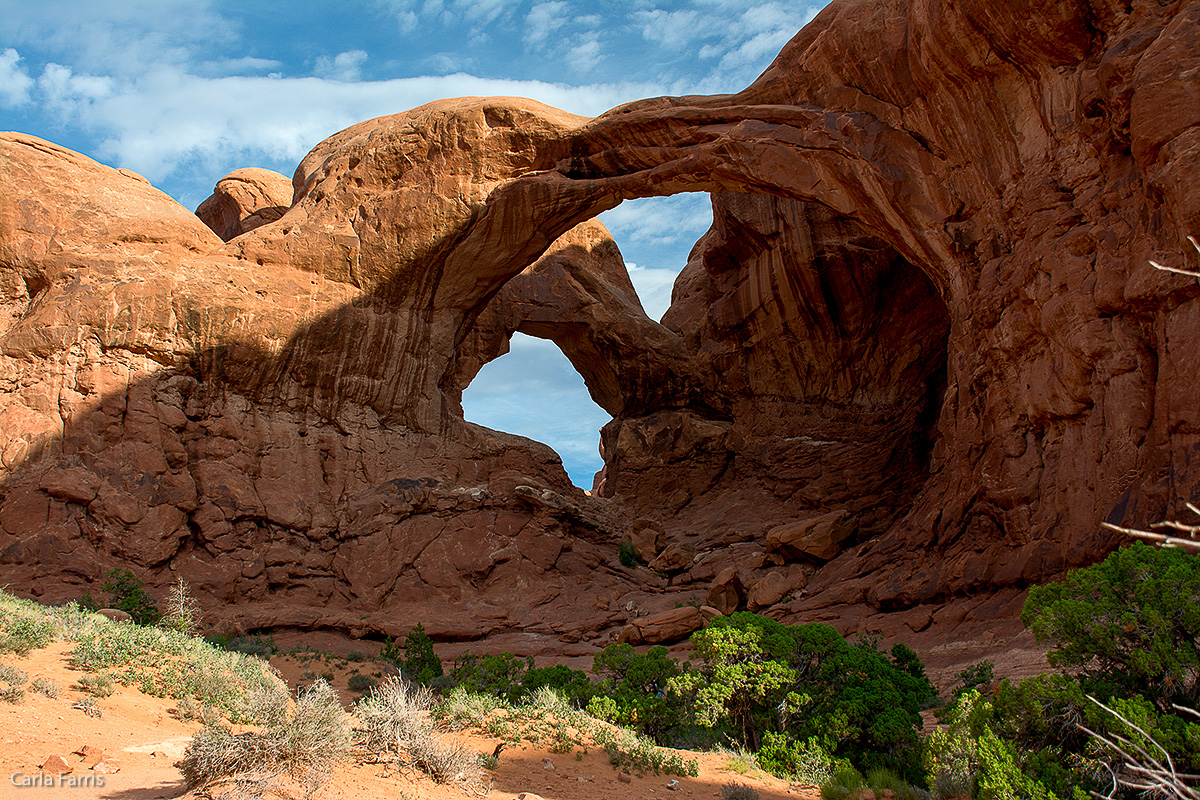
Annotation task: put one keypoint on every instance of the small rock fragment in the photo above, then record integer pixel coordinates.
(547, 765)
(56, 764)
(624, 777)
(107, 766)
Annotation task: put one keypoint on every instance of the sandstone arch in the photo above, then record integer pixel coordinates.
(1027, 164)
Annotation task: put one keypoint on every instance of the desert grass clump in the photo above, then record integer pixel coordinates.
(12, 683)
(98, 685)
(740, 760)
(302, 742)
(394, 716)
(88, 706)
(394, 723)
(45, 686)
(738, 791)
(884, 780)
(26, 626)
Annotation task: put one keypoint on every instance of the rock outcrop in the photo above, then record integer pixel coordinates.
(245, 199)
(919, 356)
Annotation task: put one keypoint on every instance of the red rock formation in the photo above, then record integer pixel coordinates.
(166, 415)
(245, 199)
(924, 306)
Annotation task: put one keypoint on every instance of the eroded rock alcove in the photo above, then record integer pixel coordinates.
(916, 360)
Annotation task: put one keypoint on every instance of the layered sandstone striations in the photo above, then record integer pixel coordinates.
(919, 355)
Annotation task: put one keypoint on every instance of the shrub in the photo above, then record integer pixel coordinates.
(738, 791)
(974, 677)
(12, 675)
(846, 783)
(165, 663)
(96, 685)
(967, 757)
(303, 743)
(183, 612)
(88, 706)
(881, 781)
(251, 645)
(628, 555)
(14, 679)
(499, 674)
(393, 715)
(394, 722)
(360, 683)
(570, 683)
(1129, 625)
(23, 634)
(126, 594)
(419, 662)
(45, 686)
(463, 709)
(632, 691)
(805, 761)
(808, 682)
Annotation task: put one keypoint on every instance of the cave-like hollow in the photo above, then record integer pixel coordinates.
(801, 368)
(822, 354)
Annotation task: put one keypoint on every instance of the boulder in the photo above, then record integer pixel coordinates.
(244, 200)
(56, 764)
(726, 593)
(675, 558)
(816, 537)
(107, 766)
(768, 590)
(665, 626)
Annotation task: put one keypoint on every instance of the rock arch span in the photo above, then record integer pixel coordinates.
(1011, 170)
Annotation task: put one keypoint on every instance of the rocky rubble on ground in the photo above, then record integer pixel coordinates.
(918, 357)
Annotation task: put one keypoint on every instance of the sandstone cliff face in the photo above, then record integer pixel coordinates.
(920, 355)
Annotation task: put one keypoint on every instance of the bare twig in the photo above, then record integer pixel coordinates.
(1163, 539)
(1180, 270)
(1151, 773)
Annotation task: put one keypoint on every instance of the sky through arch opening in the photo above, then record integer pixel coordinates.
(534, 391)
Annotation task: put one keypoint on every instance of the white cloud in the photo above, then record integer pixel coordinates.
(345, 66)
(544, 19)
(236, 66)
(675, 29)
(161, 121)
(119, 38)
(680, 218)
(70, 94)
(585, 54)
(15, 82)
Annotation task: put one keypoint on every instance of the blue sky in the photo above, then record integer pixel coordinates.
(187, 92)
